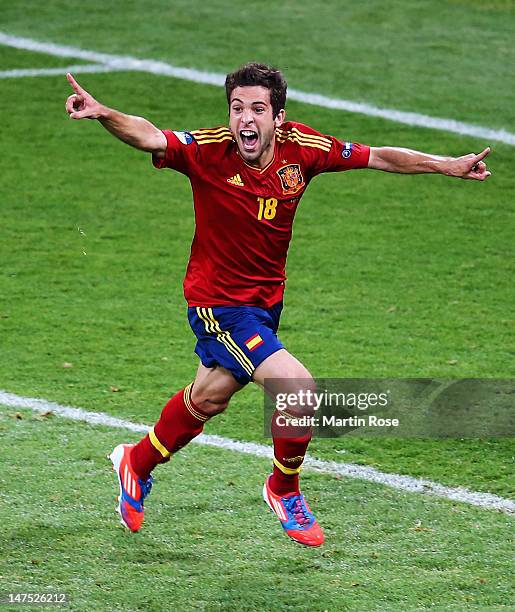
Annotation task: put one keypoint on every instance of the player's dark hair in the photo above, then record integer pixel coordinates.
(253, 74)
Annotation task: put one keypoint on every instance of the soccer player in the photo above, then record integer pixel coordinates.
(247, 180)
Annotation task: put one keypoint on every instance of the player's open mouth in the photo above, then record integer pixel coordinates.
(249, 139)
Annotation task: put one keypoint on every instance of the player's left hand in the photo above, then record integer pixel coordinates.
(471, 166)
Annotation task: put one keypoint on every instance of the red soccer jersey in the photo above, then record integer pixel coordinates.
(244, 216)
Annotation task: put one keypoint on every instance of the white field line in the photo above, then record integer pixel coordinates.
(395, 481)
(124, 62)
(35, 72)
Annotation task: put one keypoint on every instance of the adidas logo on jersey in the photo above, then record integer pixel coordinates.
(236, 180)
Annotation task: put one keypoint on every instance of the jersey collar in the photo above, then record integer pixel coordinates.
(258, 170)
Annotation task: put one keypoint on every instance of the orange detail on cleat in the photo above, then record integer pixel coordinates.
(295, 516)
(133, 490)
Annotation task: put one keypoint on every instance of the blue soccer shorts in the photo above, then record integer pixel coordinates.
(237, 338)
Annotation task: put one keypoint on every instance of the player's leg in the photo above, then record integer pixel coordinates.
(181, 420)
(244, 339)
(184, 416)
(213, 388)
(283, 376)
(223, 371)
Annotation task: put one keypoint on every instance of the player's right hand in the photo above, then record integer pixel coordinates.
(81, 105)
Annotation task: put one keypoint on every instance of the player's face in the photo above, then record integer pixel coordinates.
(253, 125)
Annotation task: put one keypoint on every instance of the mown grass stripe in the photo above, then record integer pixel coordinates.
(409, 484)
(124, 62)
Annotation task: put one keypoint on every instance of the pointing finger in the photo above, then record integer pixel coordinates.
(76, 87)
(481, 155)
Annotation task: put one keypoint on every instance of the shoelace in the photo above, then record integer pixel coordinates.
(296, 506)
(146, 487)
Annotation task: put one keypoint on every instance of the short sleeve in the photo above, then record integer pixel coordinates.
(179, 154)
(341, 156)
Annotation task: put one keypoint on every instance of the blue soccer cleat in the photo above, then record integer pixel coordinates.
(133, 490)
(295, 515)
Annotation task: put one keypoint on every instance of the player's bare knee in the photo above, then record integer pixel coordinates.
(210, 402)
(211, 408)
(213, 389)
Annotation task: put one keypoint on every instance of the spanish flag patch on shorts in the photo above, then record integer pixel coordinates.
(253, 342)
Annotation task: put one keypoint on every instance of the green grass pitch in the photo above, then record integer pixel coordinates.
(388, 276)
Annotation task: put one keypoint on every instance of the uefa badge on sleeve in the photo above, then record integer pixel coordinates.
(347, 150)
(185, 137)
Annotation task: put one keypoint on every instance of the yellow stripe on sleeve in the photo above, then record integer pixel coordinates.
(211, 132)
(211, 140)
(312, 137)
(303, 143)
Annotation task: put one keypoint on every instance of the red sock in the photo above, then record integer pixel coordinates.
(180, 422)
(290, 444)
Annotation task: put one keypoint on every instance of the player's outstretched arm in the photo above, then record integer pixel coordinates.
(406, 161)
(135, 131)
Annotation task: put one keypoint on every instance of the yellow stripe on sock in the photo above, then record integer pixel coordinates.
(187, 393)
(157, 445)
(287, 470)
(189, 405)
